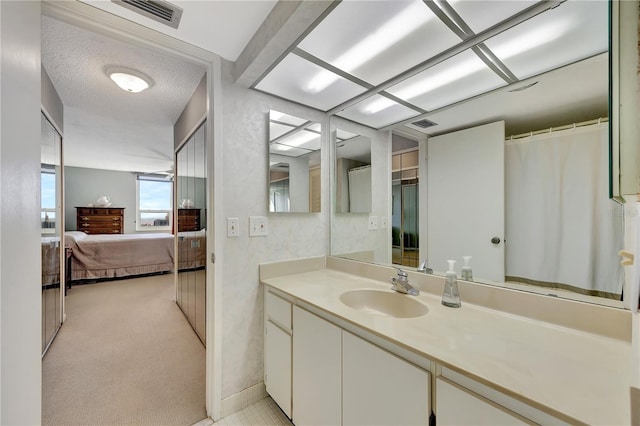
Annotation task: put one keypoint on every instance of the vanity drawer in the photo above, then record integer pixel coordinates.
(278, 310)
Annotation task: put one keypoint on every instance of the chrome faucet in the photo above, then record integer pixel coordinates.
(423, 268)
(401, 284)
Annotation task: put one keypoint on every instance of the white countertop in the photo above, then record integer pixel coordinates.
(561, 370)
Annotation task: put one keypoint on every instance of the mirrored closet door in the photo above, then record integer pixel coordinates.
(52, 249)
(191, 230)
(405, 218)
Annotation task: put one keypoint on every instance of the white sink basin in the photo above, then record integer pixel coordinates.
(385, 303)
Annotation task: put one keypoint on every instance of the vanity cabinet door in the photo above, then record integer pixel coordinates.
(317, 397)
(277, 349)
(381, 389)
(277, 366)
(457, 406)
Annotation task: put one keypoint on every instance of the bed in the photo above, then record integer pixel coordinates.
(102, 256)
(192, 250)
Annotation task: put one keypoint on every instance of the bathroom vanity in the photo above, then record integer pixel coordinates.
(342, 348)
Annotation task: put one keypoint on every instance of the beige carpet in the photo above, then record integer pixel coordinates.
(125, 356)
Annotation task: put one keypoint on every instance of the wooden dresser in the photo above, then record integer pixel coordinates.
(188, 220)
(100, 220)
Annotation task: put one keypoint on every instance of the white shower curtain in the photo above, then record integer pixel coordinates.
(360, 190)
(562, 230)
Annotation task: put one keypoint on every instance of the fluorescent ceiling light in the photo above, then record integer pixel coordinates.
(395, 29)
(129, 80)
(538, 37)
(298, 139)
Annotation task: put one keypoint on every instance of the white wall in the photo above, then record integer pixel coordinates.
(350, 231)
(51, 102)
(291, 235)
(20, 291)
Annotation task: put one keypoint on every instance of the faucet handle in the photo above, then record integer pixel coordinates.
(401, 273)
(423, 268)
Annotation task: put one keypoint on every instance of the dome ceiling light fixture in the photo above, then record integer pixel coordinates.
(128, 79)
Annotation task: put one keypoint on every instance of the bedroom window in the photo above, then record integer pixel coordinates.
(154, 193)
(48, 200)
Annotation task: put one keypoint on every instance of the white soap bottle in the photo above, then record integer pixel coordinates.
(451, 295)
(465, 272)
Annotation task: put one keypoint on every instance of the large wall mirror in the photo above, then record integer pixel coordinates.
(545, 132)
(191, 201)
(294, 164)
(52, 253)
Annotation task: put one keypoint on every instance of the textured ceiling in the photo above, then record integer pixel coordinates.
(222, 27)
(106, 127)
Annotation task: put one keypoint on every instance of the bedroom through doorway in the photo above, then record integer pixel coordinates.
(128, 350)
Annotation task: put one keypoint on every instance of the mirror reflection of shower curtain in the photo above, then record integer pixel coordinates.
(279, 196)
(559, 214)
(360, 190)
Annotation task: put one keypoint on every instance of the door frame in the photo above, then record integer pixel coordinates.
(97, 20)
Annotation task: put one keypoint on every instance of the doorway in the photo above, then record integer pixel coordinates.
(94, 19)
(405, 205)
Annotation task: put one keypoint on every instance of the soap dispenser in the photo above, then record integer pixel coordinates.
(451, 296)
(465, 272)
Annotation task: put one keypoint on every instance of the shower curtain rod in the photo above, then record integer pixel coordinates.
(565, 127)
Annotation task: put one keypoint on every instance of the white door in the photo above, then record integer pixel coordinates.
(465, 199)
(277, 365)
(317, 370)
(381, 389)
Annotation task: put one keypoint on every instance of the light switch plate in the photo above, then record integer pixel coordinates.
(233, 227)
(373, 223)
(383, 222)
(258, 226)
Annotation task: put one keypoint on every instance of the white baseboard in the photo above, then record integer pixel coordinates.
(243, 399)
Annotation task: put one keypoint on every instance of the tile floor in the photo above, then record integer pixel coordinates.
(263, 413)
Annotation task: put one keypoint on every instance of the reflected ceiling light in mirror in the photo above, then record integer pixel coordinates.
(128, 79)
(299, 139)
(378, 105)
(396, 28)
(342, 135)
(276, 115)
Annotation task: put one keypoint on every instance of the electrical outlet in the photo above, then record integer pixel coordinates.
(383, 222)
(258, 226)
(233, 227)
(373, 223)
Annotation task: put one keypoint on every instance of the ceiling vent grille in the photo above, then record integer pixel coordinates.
(158, 10)
(424, 123)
